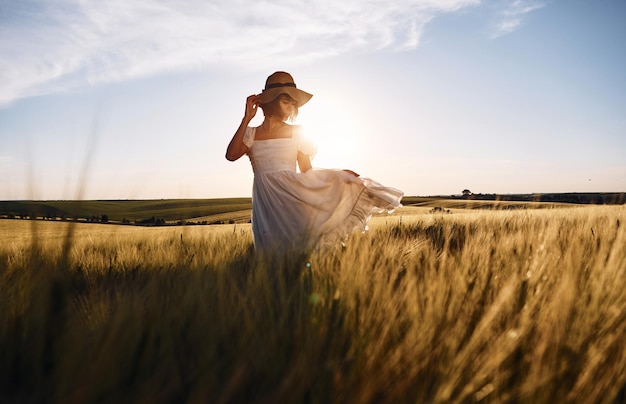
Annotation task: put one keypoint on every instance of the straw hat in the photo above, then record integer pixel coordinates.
(282, 82)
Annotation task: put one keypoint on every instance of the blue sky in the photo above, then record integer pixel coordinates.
(138, 99)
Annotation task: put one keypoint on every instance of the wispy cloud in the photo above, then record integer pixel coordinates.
(60, 45)
(513, 14)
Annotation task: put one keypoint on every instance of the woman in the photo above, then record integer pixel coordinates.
(299, 210)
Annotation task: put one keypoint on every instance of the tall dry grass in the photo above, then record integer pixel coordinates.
(524, 306)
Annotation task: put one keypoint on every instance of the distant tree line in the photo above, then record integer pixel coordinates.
(155, 221)
(608, 198)
(151, 221)
(64, 218)
(98, 219)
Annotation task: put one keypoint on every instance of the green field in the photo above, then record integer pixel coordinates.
(170, 210)
(475, 305)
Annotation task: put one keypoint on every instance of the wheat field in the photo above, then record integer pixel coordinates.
(523, 306)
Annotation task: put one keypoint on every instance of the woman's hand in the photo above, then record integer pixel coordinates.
(252, 106)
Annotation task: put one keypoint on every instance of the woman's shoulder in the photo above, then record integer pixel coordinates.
(297, 130)
(304, 143)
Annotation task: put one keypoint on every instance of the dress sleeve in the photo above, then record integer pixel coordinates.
(305, 144)
(248, 137)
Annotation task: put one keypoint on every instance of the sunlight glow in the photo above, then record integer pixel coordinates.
(335, 129)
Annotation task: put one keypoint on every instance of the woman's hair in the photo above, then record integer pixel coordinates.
(272, 108)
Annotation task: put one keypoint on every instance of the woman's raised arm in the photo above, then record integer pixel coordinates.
(236, 147)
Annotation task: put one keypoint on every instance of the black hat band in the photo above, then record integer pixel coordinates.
(275, 85)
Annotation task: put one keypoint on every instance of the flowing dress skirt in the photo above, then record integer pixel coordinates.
(322, 206)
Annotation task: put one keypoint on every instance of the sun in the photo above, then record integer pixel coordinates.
(335, 131)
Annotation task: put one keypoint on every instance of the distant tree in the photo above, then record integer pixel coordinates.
(466, 192)
(151, 220)
(104, 219)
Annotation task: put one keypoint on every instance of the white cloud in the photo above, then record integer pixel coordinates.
(513, 14)
(60, 45)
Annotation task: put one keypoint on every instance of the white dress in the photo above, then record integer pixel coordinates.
(292, 210)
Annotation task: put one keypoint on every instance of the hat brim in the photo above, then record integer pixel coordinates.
(301, 97)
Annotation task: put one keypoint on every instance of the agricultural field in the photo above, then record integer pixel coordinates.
(170, 211)
(237, 210)
(439, 302)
